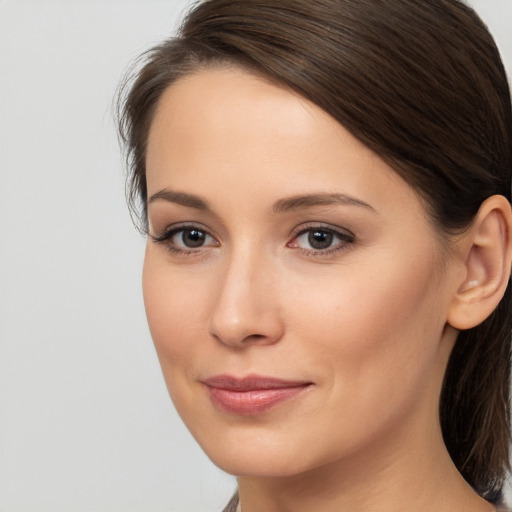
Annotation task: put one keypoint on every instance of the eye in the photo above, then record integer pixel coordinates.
(189, 238)
(319, 240)
(185, 239)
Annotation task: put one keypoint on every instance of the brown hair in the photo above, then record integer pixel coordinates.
(421, 83)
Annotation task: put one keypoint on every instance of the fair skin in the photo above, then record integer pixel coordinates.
(280, 246)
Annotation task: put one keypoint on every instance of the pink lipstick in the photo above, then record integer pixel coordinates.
(252, 394)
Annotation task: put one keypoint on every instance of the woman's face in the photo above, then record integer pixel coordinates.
(295, 290)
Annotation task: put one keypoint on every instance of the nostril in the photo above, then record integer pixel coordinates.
(255, 336)
(240, 339)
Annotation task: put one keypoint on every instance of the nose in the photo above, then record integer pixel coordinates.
(246, 309)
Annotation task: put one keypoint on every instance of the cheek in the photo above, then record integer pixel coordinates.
(375, 330)
(173, 302)
(174, 308)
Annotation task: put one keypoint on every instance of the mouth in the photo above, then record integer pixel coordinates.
(253, 394)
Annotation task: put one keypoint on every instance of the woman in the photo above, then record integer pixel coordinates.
(325, 187)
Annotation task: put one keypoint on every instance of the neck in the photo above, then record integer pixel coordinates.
(400, 474)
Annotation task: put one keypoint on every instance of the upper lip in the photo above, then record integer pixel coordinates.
(251, 382)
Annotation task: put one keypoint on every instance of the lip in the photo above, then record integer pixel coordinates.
(252, 394)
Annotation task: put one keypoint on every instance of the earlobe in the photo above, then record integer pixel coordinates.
(487, 259)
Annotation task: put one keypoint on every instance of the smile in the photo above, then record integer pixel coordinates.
(251, 395)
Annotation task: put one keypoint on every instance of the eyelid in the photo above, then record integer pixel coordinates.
(169, 232)
(346, 237)
(173, 228)
(308, 226)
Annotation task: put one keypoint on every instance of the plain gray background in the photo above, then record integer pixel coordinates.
(86, 424)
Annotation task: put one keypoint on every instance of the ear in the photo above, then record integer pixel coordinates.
(487, 256)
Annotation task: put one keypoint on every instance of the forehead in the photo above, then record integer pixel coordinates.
(224, 132)
(230, 115)
(232, 102)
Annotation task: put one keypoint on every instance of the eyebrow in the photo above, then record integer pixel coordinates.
(190, 200)
(308, 201)
(282, 205)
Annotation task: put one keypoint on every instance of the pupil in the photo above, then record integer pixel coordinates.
(193, 238)
(320, 239)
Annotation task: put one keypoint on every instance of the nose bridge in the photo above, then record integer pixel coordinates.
(246, 308)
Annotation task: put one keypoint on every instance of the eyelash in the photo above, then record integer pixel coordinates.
(166, 236)
(345, 237)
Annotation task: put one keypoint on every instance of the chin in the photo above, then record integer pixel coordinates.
(258, 454)
(269, 466)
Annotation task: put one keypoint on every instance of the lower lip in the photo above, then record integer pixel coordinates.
(248, 403)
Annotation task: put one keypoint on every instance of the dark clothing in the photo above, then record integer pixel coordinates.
(233, 504)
